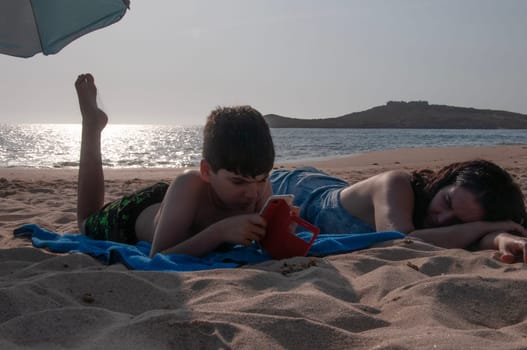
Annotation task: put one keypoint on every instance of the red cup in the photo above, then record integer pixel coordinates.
(279, 241)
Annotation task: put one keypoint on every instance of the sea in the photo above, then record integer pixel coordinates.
(151, 146)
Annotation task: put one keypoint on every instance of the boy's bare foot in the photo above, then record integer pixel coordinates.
(92, 115)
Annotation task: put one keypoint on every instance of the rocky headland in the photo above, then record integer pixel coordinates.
(410, 115)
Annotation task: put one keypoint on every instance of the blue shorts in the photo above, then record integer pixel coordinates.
(318, 196)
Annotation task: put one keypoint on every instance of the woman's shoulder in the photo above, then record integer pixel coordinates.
(397, 175)
(391, 178)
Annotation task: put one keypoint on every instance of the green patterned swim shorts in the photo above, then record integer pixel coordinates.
(116, 220)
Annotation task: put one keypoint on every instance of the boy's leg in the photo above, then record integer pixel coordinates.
(90, 195)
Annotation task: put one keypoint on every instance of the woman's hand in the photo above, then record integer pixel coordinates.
(511, 248)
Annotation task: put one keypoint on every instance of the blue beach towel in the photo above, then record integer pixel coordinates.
(136, 256)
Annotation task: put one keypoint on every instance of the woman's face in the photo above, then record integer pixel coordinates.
(453, 205)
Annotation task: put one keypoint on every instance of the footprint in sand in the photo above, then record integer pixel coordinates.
(40, 190)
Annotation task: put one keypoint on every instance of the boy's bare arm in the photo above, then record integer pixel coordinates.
(239, 229)
(176, 213)
(172, 232)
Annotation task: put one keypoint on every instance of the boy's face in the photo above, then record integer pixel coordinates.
(235, 191)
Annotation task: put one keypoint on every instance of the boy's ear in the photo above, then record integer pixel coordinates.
(205, 170)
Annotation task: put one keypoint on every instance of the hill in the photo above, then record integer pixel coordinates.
(410, 115)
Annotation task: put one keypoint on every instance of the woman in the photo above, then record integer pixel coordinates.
(474, 203)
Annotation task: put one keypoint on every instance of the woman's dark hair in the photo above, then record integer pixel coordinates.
(497, 192)
(238, 139)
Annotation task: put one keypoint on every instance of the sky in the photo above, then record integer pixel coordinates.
(172, 62)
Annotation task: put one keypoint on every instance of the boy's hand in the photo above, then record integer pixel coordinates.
(243, 229)
(293, 225)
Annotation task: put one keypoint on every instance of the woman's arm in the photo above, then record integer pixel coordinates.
(387, 202)
(393, 200)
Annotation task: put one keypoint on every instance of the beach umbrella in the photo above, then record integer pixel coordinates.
(28, 27)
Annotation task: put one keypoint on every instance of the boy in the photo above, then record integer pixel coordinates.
(199, 210)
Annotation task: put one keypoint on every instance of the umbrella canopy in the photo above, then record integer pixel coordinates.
(31, 26)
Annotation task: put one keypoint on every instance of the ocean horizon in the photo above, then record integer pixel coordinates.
(154, 146)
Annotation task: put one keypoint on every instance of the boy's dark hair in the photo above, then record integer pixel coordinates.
(238, 139)
(496, 191)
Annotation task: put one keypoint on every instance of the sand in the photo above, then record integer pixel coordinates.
(401, 294)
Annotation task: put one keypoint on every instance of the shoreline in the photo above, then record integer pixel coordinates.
(398, 158)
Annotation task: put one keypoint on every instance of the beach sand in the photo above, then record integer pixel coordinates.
(400, 294)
